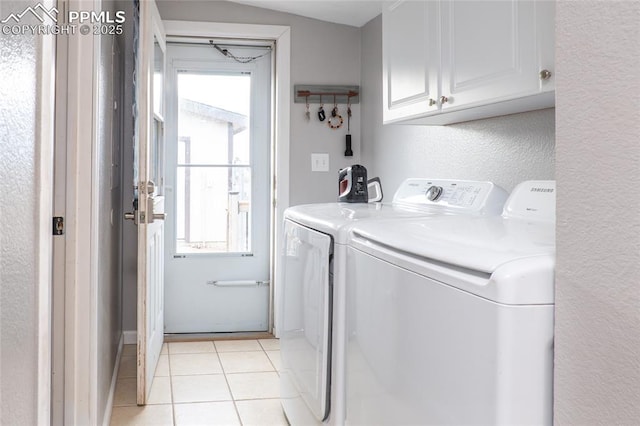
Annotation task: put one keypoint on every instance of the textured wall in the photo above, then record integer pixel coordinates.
(19, 148)
(597, 349)
(505, 150)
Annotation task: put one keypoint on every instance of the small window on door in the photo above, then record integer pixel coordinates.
(214, 173)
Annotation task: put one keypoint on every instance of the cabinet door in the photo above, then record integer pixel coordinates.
(488, 52)
(411, 59)
(545, 33)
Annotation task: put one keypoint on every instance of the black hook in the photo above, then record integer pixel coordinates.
(321, 115)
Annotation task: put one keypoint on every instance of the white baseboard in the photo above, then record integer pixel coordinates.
(130, 337)
(106, 421)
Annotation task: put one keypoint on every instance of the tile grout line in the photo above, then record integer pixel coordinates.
(269, 358)
(173, 406)
(224, 372)
(233, 398)
(173, 402)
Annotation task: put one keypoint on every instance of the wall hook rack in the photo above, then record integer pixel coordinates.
(314, 93)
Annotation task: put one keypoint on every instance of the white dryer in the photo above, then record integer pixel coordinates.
(450, 319)
(312, 326)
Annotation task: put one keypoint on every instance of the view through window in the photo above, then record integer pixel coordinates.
(213, 187)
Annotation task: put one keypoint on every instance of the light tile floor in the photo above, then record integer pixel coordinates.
(230, 382)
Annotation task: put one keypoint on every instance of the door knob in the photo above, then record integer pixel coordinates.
(545, 75)
(432, 102)
(443, 100)
(132, 216)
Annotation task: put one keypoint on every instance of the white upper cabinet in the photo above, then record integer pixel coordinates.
(411, 58)
(450, 61)
(488, 51)
(545, 39)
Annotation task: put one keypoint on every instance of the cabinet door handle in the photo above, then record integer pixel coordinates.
(443, 100)
(545, 75)
(432, 102)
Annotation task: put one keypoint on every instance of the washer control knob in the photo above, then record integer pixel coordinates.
(434, 193)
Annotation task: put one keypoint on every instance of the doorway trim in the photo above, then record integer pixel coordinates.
(44, 169)
(74, 270)
(280, 117)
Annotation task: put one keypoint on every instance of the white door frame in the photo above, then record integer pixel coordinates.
(80, 252)
(193, 308)
(45, 137)
(280, 117)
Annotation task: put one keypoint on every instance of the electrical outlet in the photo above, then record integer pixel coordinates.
(319, 162)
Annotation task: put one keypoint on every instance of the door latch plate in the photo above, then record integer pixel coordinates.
(58, 225)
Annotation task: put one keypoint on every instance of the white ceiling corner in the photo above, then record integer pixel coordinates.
(354, 13)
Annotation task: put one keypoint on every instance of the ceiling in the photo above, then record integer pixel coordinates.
(354, 13)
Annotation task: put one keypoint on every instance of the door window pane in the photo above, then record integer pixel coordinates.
(213, 209)
(214, 115)
(158, 78)
(213, 191)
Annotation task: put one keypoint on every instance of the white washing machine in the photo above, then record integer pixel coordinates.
(450, 319)
(312, 329)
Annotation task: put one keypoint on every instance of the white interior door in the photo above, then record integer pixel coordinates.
(150, 196)
(218, 188)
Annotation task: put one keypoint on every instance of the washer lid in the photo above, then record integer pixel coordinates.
(481, 244)
(509, 261)
(508, 258)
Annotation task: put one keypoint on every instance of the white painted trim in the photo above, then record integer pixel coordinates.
(106, 420)
(81, 256)
(95, 232)
(59, 242)
(283, 132)
(223, 30)
(130, 337)
(282, 36)
(45, 135)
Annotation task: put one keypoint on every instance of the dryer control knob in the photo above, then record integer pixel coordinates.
(433, 193)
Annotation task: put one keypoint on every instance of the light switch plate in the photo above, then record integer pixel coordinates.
(319, 162)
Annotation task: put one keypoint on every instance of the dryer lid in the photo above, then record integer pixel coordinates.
(336, 219)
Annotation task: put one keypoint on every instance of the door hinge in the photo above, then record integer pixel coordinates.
(58, 225)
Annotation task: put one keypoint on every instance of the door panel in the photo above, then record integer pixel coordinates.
(150, 200)
(218, 190)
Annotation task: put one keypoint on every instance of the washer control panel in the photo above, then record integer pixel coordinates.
(434, 192)
(457, 195)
